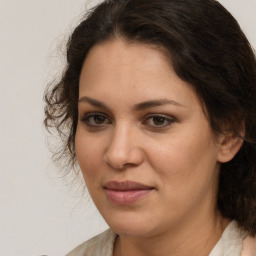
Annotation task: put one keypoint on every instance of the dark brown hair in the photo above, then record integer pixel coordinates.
(208, 50)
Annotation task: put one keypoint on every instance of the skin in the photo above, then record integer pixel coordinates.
(177, 153)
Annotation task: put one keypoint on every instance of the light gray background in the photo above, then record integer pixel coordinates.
(40, 213)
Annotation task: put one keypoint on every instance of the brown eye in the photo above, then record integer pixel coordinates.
(158, 121)
(95, 120)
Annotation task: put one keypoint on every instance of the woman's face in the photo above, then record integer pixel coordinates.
(144, 145)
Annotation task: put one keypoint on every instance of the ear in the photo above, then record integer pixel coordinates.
(229, 146)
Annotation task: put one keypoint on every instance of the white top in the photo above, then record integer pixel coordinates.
(233, 242)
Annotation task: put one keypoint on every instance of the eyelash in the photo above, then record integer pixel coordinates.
(87, 117)
(166, 120)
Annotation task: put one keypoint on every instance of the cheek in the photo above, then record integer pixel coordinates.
(186, 171)
(185, 159)
(88, 155)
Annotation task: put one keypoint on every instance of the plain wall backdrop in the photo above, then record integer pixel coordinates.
(40, 213)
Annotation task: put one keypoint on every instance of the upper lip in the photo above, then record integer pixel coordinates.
(125, 186)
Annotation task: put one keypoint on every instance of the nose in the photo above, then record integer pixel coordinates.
(123, 150)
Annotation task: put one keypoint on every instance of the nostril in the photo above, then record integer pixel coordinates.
(118, 160)
(115, 162)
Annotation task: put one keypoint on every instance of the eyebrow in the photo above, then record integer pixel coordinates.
(137, 107)
(93, 102)
(156, 103)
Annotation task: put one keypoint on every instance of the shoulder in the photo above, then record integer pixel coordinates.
(235, 242)
(101, 244)
(249, 246)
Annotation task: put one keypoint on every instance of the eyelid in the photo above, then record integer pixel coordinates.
(168, 118)
(89, 114)
(85, 117)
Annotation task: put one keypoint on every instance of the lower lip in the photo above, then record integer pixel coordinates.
(126, 197)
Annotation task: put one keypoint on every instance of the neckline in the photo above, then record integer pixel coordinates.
(231, 241)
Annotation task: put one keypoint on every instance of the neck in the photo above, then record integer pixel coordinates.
(196, 239)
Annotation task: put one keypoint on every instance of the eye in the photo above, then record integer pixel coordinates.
(95, 120)
(158, 121)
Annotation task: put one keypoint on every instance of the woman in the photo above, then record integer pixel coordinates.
(159, 101)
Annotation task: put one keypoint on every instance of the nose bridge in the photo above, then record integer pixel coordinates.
(123, 148)
(121, 137)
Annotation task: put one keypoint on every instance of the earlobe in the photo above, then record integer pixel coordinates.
(229, 147)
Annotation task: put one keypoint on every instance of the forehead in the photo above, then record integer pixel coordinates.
(127, 55)
(140, 70)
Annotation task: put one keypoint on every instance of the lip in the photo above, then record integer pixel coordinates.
(127, 192)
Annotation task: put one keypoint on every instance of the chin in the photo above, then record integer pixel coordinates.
(132, 230)
(132, 225)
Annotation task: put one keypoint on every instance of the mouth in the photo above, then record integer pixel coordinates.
(127, 192)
